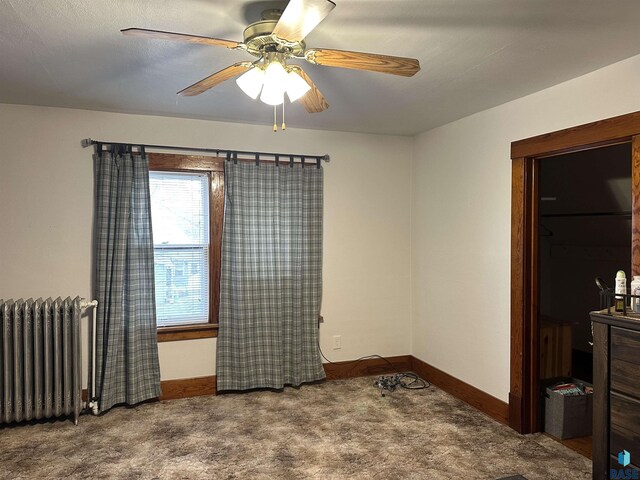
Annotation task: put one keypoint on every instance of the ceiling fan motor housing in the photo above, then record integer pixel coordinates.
(258, 39)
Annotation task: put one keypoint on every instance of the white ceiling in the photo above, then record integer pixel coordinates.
(475, 54)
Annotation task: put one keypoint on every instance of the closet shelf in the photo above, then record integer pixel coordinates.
(586, 214)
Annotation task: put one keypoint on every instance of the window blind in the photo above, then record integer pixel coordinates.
(180, 220)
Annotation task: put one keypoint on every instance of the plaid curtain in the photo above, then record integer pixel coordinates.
(127, 368)
(271, 277)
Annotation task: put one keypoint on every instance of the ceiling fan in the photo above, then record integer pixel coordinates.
(278, 37)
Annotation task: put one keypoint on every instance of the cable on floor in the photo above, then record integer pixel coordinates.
(406, 380)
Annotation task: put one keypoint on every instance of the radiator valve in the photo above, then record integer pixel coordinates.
(93, 406)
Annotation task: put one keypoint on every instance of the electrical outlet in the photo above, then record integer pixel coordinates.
(337, 342)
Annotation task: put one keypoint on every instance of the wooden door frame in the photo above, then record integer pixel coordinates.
(525, 156)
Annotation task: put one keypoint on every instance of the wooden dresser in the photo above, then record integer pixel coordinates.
(616, 383)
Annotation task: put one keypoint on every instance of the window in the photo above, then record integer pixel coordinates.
(180, 213)
(187, 205)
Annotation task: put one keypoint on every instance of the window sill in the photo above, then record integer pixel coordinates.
(191, 332)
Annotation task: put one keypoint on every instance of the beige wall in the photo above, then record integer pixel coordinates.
(460, 239)
(46, 205)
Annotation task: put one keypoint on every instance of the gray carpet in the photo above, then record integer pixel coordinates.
(335, 430)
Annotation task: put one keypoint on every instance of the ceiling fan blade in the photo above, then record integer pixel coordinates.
(300, 17)
(313, 101)
(181, 37)
(406, 67)
(215, 79)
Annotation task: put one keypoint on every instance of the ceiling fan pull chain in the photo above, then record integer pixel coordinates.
(275, 121)
(284, 126)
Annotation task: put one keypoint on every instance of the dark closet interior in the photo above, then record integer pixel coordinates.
(584, 232)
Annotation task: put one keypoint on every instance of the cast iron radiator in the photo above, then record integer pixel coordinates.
(40, 359)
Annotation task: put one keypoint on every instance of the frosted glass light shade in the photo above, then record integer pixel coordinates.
(251, 82)
(296, 86)
(275, 84)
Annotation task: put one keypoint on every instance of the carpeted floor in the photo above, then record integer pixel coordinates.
(335, 430)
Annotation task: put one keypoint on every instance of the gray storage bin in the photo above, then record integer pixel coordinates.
(567, 416)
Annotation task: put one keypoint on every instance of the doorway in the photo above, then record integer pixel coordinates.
(584, 232)
(528, 156)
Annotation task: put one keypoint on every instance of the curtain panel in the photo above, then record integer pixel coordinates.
(127, 367)
(271, 277)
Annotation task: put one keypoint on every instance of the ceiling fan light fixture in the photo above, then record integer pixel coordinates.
(275, 84)
(296, 86)
(251, 82)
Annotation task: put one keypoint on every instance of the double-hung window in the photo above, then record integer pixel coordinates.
(187, 205)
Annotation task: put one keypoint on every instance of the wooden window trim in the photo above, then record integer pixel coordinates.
(187, 332)
(214, 168)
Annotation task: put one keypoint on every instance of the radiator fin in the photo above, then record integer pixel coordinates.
(40, 374)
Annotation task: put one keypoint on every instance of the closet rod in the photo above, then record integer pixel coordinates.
(218, 151)
(590, 214)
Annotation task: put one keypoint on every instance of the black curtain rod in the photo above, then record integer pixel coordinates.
(88, 142)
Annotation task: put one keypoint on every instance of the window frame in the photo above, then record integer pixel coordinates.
(214, 169)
